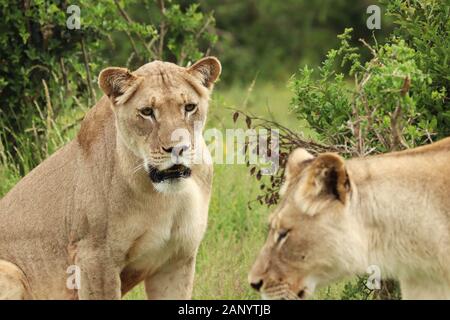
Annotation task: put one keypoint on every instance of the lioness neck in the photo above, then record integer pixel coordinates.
(401, 203)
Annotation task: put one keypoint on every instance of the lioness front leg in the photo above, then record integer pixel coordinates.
(99, 278)
(174, 281)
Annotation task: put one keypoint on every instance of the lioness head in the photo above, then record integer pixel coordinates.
(157, 108)
(310, 233)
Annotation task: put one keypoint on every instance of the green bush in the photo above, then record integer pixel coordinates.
(270, 38)
(397, 99)
(424, 25)
(379, 111)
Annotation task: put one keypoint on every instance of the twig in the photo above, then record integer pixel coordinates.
(162, 28)
(197, 35)
(205, 26)
(294, 139)
(127, 18)
(64, 73)
(368, 46)
(88, 70)
(356, 123)
(396, 130)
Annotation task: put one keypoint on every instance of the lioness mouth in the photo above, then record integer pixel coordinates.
(175, 172)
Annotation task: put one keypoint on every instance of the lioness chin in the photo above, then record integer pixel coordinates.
(337, 218)
(122, 203)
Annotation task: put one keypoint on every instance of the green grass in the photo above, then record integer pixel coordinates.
(235, 233)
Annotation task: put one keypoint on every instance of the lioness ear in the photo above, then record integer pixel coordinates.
(118, 84)
(294, 165)
(207, 70)
(327, 176)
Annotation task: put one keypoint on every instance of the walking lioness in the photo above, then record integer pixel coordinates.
(121, 203)
(336, 218)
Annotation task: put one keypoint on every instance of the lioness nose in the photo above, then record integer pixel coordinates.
(176, 151)
(257, 285)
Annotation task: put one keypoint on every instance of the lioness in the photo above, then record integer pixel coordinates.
(336, 218)
(111, 209)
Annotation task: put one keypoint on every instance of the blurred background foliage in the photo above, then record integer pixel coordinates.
(271, 38)
(47, 67)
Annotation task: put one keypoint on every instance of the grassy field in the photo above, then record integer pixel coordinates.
(235, 232)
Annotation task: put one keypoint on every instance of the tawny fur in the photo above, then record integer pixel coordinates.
(391, 211)
(92, 204)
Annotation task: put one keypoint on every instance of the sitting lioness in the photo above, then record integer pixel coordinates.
(336, 218)
(112, 208)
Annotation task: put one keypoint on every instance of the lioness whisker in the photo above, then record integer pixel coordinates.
(138, 167)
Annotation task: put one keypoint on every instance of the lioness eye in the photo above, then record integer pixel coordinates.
(146, 112)
(282, 234)
(190, 107)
